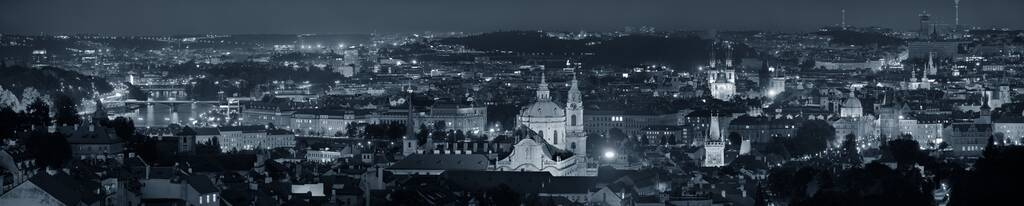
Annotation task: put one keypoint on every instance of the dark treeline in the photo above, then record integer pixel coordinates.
(51, 80)
(910, 178)
(684, 52)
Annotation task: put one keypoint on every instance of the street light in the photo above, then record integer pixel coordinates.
(609, 154)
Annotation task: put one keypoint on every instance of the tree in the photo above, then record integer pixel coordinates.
(440, 126)
(502, 195)
(51, 150)
(38, 114)
(123, 127)
(735, 138)
(904, 151)
(8, 99)
(850, 153)
(8, 122)
(990, 147)
(760, 196)
(423, 134)
(812, 137)
(351, 129)
(459, 135)
(134, 92)
(395, 131)
(210, 147)
(28, 95)
(778, 146)
(67, 111)
(994, 180)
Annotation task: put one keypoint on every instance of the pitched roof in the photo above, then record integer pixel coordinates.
(206, 131)
(569, 185)
(202, 184)
(60, 186)
(443, 162)
(521, 182)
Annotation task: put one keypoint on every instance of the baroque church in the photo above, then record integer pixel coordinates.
(559, 145)
(721, 81)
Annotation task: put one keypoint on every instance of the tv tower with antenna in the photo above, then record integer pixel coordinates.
(956, 8)
(843, 24)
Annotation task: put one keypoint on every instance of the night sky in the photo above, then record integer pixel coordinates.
(361, 16)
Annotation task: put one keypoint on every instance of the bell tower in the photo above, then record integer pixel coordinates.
(574, 119)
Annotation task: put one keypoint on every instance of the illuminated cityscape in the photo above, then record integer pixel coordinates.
(602, 102)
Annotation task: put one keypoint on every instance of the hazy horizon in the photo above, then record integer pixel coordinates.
(125, 17)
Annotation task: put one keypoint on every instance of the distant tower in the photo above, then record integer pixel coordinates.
(932, 70)
(711, 55)
(986, 111)
(575, 134)
(714, 146)
(728, 55)
(764, 76)
(956, 8)
(844, 20)
(925, 21)
(410, 144)
(543, 94)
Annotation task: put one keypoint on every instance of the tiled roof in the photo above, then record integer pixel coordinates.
(61, 186)
(202, 184)
(443, 162)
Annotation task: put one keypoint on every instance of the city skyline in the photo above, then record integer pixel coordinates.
(511, 103)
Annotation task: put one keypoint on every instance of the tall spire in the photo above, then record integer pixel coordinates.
(984, 101)
(100, 114)
(712, 60)
(410, 123)
(956, 7)
(574, 91)
(543, 94)
(728, 55)
(714, 133)
(931, 65)
(844, 20)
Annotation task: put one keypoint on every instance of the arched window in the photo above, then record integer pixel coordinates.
(556, 136)
(572, 146)
(573, 120)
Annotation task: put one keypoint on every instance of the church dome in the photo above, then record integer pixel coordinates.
(852, 102)
(543, 109)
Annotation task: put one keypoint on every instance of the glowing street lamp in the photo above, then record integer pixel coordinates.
(609, 154)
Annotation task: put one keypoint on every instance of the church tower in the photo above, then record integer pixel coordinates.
(543, 94)
(574, 119)
(764, 77)
(932, 70)
(985, 116)
(714, 146)
(410, 143)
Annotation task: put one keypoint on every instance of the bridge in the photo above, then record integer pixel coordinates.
(161, 90)
(170, 102)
